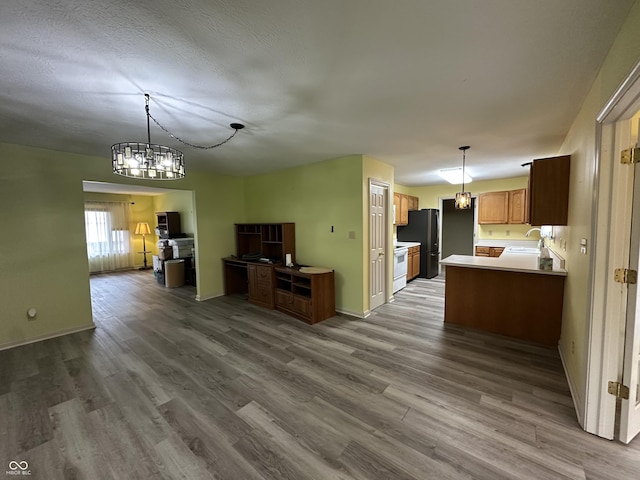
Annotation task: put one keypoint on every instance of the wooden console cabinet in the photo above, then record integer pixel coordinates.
(306, 296)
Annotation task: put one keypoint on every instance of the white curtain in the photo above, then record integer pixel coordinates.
(107, 227)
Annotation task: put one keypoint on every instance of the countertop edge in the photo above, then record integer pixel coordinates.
(495, 265)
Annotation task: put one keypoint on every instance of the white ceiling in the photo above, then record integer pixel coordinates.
(406, 82)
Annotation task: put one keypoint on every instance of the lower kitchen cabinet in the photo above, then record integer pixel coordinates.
(413, 263)
(489, 251)
(306, 296)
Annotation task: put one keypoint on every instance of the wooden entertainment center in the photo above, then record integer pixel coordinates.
(258, 269)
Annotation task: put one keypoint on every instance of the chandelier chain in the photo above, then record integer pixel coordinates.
(202, 147)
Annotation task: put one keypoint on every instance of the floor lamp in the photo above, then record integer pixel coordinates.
(143, 229)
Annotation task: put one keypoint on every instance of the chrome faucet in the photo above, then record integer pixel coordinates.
(541, 241)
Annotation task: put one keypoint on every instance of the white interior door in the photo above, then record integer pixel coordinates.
(377, 245)
(613, 347)
(630, 408)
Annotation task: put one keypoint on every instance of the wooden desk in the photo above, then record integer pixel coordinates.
(236, 277)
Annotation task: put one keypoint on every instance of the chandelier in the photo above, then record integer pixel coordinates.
(463, 199)
(151, 161)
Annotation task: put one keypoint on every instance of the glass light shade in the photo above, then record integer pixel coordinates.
(149, 161)
(463, 200)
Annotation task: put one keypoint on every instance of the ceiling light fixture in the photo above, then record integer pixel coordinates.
(155, 162)
(463, 199)
(455, 175)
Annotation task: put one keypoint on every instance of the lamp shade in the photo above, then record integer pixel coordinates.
(143, 229)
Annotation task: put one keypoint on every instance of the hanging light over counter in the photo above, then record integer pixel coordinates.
(463, 199)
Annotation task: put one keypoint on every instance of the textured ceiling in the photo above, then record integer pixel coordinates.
(405, 82)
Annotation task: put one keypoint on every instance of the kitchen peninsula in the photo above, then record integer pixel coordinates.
(507, 295)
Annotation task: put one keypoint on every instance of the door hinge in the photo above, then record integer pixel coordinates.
(625, 275)
(619, 390)
(630, 155)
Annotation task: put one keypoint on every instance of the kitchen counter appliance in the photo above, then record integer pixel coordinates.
(423, 228)
(400, 260)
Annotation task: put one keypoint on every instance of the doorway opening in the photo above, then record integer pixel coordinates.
(457, 228)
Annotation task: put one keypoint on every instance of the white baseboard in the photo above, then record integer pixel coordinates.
(48, 336)
(200, 299)
(575, 396)
(353, 314)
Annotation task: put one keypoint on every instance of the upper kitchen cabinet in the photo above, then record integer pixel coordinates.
(502, 207)
(493, 207)
(402, 204)
(549, 191)
(518, 206)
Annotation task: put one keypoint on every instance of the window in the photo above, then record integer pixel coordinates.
(107, 230)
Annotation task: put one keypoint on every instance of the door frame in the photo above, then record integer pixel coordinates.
(607, 318)
(388, 245)
(475, 221)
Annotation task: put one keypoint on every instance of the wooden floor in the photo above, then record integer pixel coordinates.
(167, 387)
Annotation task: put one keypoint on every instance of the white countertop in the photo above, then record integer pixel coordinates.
(406, 244)
(512, 262)
(487, 242)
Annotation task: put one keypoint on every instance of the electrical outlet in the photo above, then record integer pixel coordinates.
(507, 233)
(352, 235)
(573, 347)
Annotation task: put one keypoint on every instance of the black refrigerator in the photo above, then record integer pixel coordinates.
(423, 228)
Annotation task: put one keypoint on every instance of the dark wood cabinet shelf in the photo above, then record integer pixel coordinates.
(306, 296)
(168, 224)
(270, 240)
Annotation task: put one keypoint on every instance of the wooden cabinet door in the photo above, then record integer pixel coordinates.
(493, 208)
(413, 202)
(252, 273)
(518, 206)
(483, 251)
(549, 191)
(415, 262)
(404, 209)
(397, 206)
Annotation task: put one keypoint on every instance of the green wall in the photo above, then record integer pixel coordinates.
(47, 266)
(317, 197)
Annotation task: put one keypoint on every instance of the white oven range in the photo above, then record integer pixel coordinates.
(400, 260)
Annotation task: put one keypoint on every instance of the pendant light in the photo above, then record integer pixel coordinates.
(463, 199)
(155, 162)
